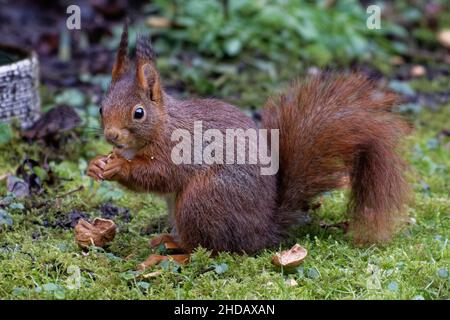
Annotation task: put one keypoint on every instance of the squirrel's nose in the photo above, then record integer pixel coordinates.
(111, 135)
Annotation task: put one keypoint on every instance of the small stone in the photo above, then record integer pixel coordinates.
(444, 37)
(291, 282)
(418, 71)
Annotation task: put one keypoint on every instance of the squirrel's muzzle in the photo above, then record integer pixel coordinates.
(116, 137)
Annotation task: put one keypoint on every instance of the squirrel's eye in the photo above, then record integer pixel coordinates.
(100, 110)
(138, 113)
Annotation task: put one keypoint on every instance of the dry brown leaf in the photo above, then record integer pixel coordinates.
(397, 60)
(99, 233)
(151, 261)
(158, 22)
(155, 259)
(154, 274)
(59, 119)
(290, 258)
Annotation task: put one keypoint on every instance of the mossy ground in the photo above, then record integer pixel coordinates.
(42, 262)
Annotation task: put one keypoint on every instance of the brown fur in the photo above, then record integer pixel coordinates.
(333, 126)
(122, 62)
(329, 127)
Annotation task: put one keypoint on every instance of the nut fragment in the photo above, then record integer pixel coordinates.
(99, 233)
(290, 258)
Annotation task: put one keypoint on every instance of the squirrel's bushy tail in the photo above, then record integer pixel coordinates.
(333, 127)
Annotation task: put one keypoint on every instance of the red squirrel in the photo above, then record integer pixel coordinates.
(330, 127)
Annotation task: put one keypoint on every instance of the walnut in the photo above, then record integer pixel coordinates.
(99, 233)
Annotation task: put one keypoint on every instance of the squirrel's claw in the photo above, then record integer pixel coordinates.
(96, 167)
(114, 167)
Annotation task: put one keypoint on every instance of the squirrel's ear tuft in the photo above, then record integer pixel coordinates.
(146, 73)
(121, 64)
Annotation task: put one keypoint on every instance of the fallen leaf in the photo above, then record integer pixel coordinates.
(397, 60)
(110, 211)
(155, 259)
(290, 258)
(59, 119)
(151, 261)
(221, 268)
(154, 274)
(5, 218)
(34, 175)
(18, 187)
(158, 22)
(99, 233)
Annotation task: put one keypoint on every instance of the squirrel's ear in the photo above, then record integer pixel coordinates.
(146, 73)
(121, 64)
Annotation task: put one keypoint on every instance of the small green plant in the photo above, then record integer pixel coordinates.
(317, 33)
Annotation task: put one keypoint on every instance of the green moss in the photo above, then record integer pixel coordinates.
(41, 262)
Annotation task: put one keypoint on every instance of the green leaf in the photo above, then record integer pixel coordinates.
(129, 275)
(41, 173)
(143, 285)
(112, 257)
(108, 192)
(233, 47)
(221, 268)
(71, 97)
(5, 218)
(18, 291)
(50, 287)
(16, 206)
(319, 54)
(402, 87)
(65, 169)
(393, 286)
(6, 133)
(59, 293)
(443, 273)
(313, 273)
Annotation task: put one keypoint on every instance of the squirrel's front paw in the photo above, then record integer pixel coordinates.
(96, 167)
(116, 168)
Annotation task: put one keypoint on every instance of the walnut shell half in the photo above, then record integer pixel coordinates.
(99, 233)
(290, 258)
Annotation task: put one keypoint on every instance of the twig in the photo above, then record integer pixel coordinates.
(70, 192)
